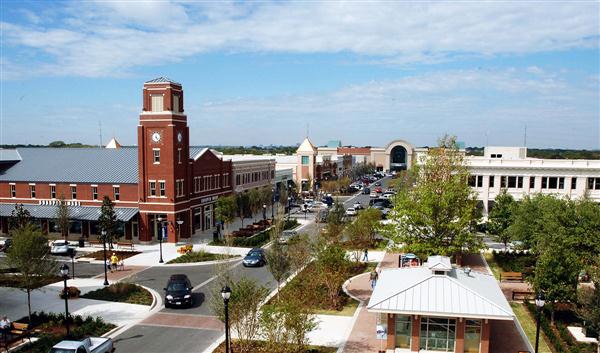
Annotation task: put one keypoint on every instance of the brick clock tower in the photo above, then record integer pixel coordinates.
(163, 162)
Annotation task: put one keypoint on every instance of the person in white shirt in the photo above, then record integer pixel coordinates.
(5, 326)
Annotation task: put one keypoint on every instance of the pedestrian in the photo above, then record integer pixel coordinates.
(366, 255)
(5, 327)
(114, 261)
(374, 276)
(107, 265)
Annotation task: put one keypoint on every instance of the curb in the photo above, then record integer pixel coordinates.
(156, 305)
(203, 263)
(345, 285)
(347, 335)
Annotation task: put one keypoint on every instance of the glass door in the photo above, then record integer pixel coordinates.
(403, 331)
(472, 336)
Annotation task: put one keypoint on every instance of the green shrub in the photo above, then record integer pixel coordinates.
(197, 256)
(122, 292)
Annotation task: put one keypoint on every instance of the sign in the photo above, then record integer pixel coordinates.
(381, 332)
(208, 199)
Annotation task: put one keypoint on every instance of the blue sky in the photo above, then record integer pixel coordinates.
(260, 72)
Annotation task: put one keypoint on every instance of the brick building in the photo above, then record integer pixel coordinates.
(163, 178)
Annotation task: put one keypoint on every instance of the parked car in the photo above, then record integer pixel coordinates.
(286, 235)
(7, 243)
(373, 195)
(366, 191)
(377, 184)
(178, 291)
(351, 212)
(60, 247)
(87, 345)
(255, 258)
(357, 206)
(378, 190)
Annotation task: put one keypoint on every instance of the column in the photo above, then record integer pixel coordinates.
(391, 331)
(416, 328)
(171, 228)
(459, 347)
(485, 336)
(145, 228)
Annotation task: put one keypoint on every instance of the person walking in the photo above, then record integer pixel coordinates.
(366, 255)
(374, 276)
(5, 327)
(107, 264)
(114, 261)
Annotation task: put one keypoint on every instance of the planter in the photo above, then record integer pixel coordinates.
(72, 293)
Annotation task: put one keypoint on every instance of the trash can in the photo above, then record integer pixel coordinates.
(215, 236)
(81, 242)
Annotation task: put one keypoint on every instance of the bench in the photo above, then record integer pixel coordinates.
(125, 244)
(519, 295)
(511, 276)
(95, 242)
(18, 331)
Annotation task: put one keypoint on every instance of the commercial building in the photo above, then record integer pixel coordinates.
(163, 184)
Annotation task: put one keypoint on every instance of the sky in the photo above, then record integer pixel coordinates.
(269, 72)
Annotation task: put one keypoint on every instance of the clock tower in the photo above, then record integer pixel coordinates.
(163, 162)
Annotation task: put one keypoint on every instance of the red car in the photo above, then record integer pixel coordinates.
(378, 190)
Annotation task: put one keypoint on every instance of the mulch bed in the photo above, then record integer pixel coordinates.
(258, 347)
(99, 255)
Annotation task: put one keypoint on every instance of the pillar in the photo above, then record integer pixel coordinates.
(391, 331)
(171, 228)
(459, 347)
(145, 228)
(416, 327)
(485, 337)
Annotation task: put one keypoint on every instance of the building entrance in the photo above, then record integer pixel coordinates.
(398, 158)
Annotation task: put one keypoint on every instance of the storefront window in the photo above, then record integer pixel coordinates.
(437, 334)
(472, 336)
(74, 227)
(403, 331)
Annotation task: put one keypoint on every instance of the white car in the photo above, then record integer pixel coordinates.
(351, 212)
(59, 247)
(373, 195)
(357, 206)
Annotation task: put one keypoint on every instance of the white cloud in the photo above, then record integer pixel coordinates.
(112, 38)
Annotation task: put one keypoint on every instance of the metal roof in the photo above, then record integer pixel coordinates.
(163, 79)
(437, 262)
(76, 165)
(9, 155)
(417, 291)
(81, 213)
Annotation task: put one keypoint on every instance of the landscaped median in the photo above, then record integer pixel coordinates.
(199, 256)
(256, 240)
(122, 292)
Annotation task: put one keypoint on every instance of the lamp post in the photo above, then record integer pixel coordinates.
(64, 271)
(272, 203)
(226, 293)
(540, 300)
(160, 237)
(264, 212)
(179, 223)
(104, 246)
(289, 206)
(72, 255)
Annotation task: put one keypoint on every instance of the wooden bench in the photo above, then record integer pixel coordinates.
(94, 242)
(125, 244)
(519, 295)
(511, 276)
(17, 332)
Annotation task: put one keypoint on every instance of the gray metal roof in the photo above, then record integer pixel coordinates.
(9, 155)
(163, 79)
(76, 165)
(82, 213)
(416, 290)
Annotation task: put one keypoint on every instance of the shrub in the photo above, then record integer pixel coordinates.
(72, 292)
(122, 292)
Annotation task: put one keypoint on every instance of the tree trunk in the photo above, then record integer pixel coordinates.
(29, 305)
(552, 313)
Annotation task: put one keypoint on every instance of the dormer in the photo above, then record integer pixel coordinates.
(439, 265)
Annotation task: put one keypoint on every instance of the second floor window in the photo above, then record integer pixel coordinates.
(32, 191)
(156, 153)
(13, 190)
(116, 193)
(94, 193)
(152, 188)
(491, 181)
(532, 182)
(593, 183)
(73, 192)
(52, 191)
(573, 183)
(161, 185)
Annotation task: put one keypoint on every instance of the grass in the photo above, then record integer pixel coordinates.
(528, 324)
(258, 347)
(8, 280)
(489, 257)
(347, 310)
(122, 292)
(198, 256)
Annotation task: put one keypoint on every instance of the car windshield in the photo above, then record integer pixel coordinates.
(176, 287)
(62, 350)
(253, 255)
(59, 243)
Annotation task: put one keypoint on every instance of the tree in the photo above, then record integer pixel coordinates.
(244, 309)
(332, 268)
(19, 217)
(300, 251)
(62, 217)
(108, 220)
(30, 254)
(243, 202)
(335, 221)
(361, 233)
(283, 195)
(285, 325)
(226, 209)
(436, 215)
(254, 201)
(278, 261)
(501, 217)
(57, 144)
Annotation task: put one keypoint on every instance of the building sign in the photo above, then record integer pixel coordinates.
(208, 199)
(381, 332)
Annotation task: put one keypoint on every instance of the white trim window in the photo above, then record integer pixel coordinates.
(13, 190)
(94, 193)
(74, 192)
(176, 103)
(52, 191)
(116, 193)
(593, 183)
(156, 155)
(157, 101)
(152, 187)
(161, 188)
(179, 155)
(32, 190)
(553, 183)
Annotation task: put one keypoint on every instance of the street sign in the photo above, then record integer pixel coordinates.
(381, 332)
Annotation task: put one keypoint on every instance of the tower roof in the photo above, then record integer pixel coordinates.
(113, 143)
(306, 146)
(163, 79)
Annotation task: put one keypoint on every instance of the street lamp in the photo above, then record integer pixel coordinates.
(264, 212)
(540, 300)
(179, 223)
(289, 206)
(64, 271)
(226, 293)
(160, 237)
(104, 246)
(72, 255)
(272, 203)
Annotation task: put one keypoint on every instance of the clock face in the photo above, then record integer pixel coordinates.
(156, 136)
(179, 137)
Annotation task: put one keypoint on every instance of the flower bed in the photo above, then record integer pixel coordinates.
(122, 292)
(99, 255)
(198, 256)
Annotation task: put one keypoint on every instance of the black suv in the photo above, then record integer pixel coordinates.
(178, 291)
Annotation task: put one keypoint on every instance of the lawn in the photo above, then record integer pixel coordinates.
(489, 257)
(258, 347)
(199, 256)
(121, 292)
(347, 310)
(10, 280)
(528, 324)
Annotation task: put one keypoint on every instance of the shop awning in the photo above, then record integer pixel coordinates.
(80, 213)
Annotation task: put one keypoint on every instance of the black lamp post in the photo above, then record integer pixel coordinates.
(160, 237)
(179, 223)
(540, 301)
(272, 203)
(289, 206)
(104, 246)
(226, 293)
(264, 212)
(72, 255)
(64, 271)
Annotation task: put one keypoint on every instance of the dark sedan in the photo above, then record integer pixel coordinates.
(255, 258)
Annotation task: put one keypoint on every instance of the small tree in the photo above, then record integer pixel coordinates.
(285, 326)
(361, 233)
(332, 268)
(30, 254)
(300, 252)
(283, 195)
(278, 261)
(244, 309)
(254, 201)
(226, 209)
(589, 300)
(501, 216)
(19, 217)
(243, 203)
(108, 221)
(335, 221)
(62, 217)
